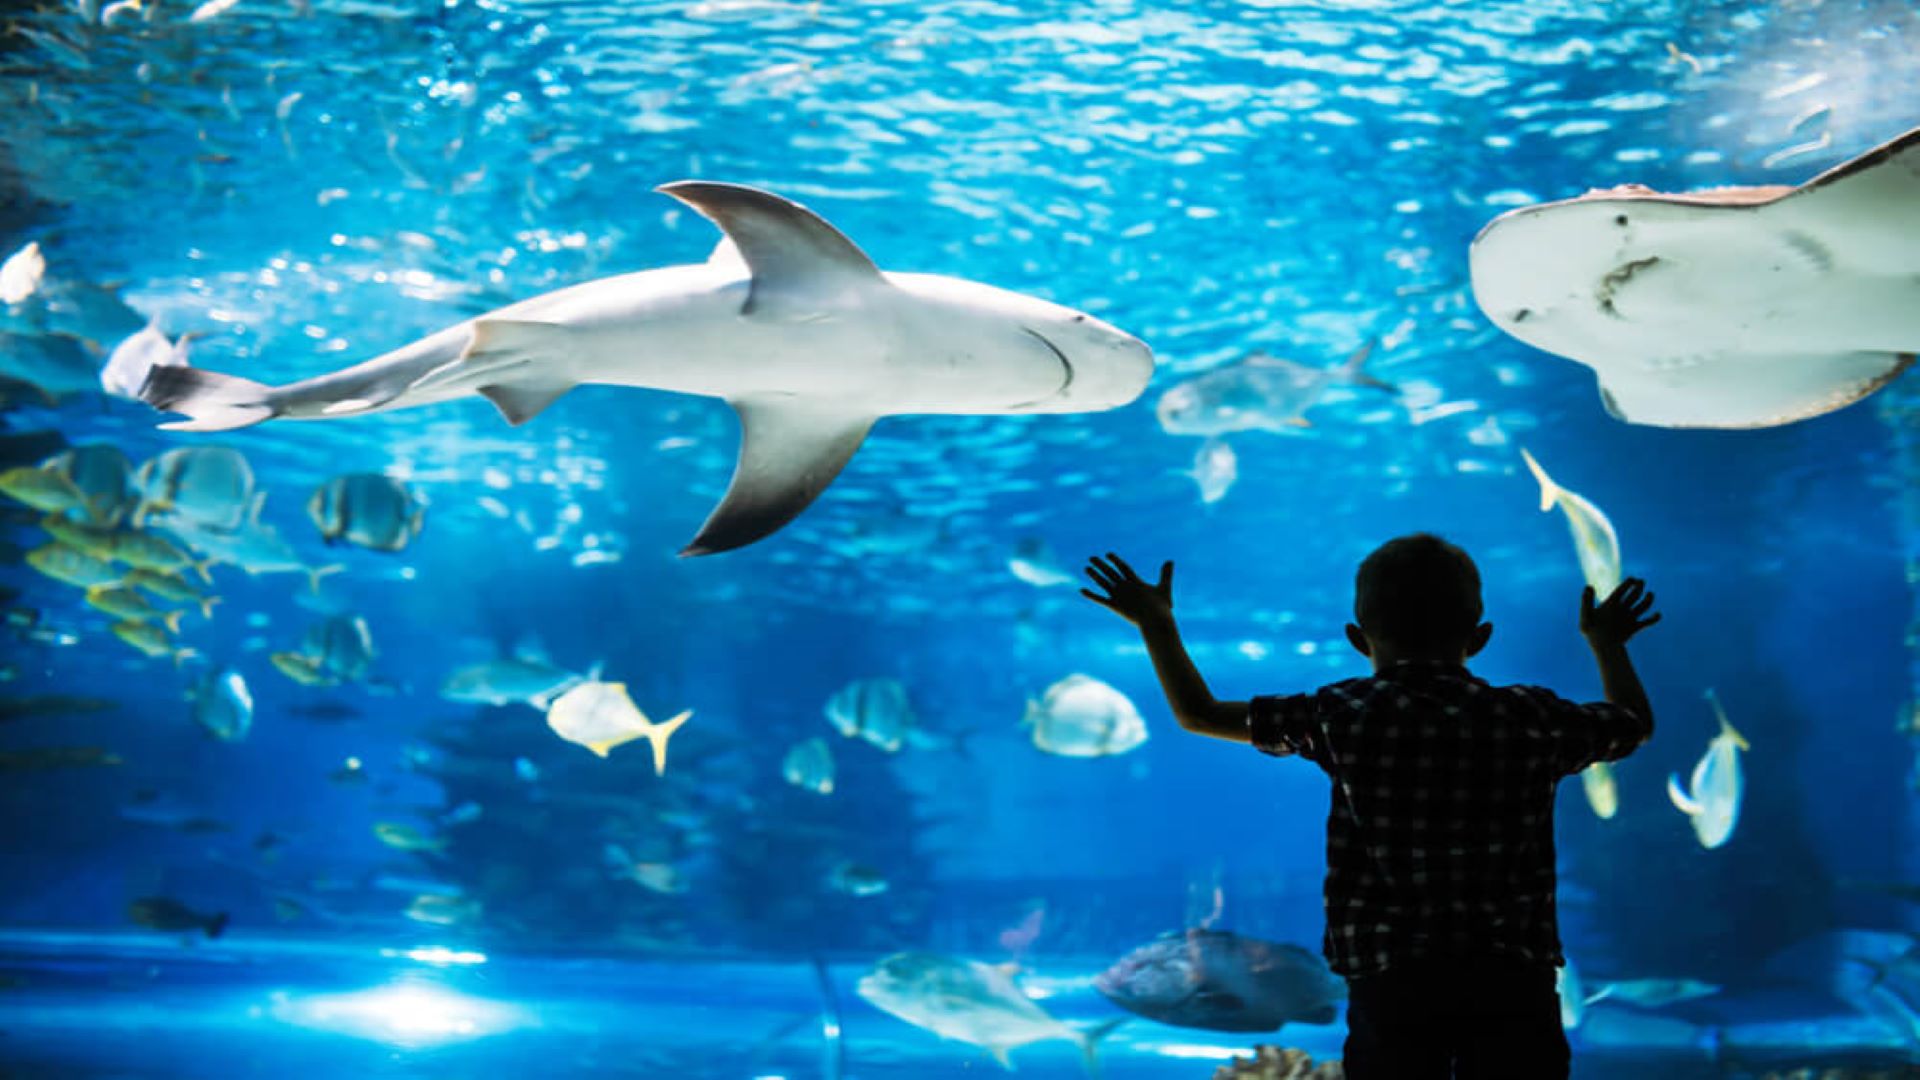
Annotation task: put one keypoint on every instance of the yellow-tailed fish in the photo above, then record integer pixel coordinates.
(303, 669)
(1602, 791)
(1714, 792)
(600, 716)
(62, 563)
(152, 641)
(41, 489)
(172, 588)
(1594, 540)
(123, 602)
(150, 552)
(80, 536)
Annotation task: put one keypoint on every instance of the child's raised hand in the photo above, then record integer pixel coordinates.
(1621, 615)
(1126, 594)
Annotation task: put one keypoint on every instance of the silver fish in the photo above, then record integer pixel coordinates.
(254, 547)
(809, 765)
(1259, 393)
(876, 710)
(1215, 468)
(342, 647)
(209, 486)
(1080, 716)
(223, 705)
(524, 680)
(373, 511)
(970, 1002)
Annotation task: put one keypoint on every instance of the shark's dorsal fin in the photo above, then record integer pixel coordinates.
(790, 450)
(797, 259)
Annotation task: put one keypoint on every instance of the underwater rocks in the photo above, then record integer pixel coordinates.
(1277, 1063)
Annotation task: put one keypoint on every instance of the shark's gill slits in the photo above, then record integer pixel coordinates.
(1066, 367)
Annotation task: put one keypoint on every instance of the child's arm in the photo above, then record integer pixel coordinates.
(1607, 628)
(1150, 607)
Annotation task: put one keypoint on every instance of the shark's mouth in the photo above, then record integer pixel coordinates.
(1066, 368)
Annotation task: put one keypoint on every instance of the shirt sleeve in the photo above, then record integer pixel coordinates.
(1585, 734)
(1288, 724)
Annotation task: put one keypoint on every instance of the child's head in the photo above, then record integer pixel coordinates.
(1417, 598)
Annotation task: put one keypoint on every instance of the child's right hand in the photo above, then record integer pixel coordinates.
(1131, 598)
(1621, 615)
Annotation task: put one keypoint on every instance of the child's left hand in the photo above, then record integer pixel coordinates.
(1127, 595)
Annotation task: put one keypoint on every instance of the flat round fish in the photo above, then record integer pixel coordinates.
(1220, 981)
(1080, 716)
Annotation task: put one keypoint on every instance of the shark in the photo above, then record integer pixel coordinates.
(788, 321)
(1737, 307)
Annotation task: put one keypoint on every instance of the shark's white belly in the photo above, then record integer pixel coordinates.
(684, 329)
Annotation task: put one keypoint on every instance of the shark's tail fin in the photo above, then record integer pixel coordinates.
(212, 401)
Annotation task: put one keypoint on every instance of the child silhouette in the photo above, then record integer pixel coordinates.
(1440, 863)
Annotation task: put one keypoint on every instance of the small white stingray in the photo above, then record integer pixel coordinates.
(1738, 307)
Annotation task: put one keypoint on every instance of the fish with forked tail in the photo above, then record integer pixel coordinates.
(970, 1002)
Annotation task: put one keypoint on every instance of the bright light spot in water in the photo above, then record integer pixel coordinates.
(1198, 1050)
(438, 955)
(406, 1014)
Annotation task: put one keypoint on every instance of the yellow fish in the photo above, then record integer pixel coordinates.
(302, 669)
(150, 552)
(41, 489)
(1602, 791)
(80, 536)
(601, 715)
(151, 640)
(172, 588)
(1594, 540)
(62, 563)
(122, 602)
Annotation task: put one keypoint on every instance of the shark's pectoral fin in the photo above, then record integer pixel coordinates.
(521, 403)
(800, 263)
(790, 450)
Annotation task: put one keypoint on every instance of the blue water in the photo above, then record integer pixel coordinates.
(304, 186)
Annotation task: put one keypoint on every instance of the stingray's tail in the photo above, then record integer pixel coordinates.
(212, 401)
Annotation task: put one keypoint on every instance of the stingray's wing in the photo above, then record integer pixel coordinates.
(1724, 309)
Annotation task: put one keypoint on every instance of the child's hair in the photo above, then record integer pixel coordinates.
(1418, 592)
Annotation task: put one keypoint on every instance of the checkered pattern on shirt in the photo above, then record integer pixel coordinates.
(1440, 835)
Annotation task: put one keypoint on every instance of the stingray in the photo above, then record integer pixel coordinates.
(1739, 307)
(788, 321)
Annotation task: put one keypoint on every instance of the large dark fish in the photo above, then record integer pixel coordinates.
(1221, 981)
